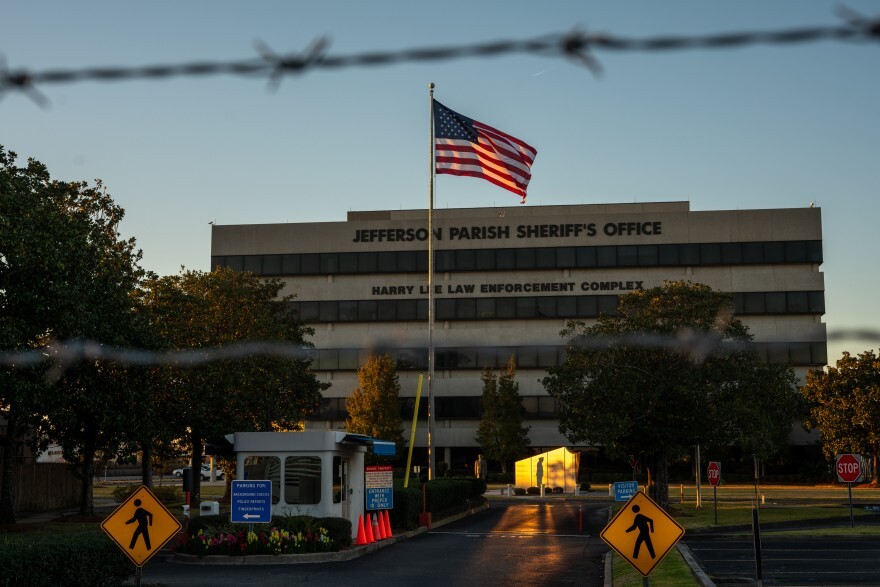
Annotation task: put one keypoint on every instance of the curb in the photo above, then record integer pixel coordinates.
(315, 557)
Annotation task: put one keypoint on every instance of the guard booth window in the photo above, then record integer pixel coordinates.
(265, 468)
(302, 480)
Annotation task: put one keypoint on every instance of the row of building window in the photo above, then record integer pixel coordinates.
(690, 254)
(535, 407)
(527, 357)
(744, 304)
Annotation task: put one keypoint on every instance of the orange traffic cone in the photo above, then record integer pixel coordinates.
(387, 519)
(361, 536)
(369, 530)
(382, 527)
(377, 530)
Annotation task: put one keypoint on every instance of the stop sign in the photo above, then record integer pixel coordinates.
(849, 468)
(713, 472)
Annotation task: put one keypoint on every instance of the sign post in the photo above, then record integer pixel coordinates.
(849, 471)
(642, 533)
(713, 473)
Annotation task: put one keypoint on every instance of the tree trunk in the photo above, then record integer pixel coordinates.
(7, 514)
(875, 480)
(87, 498)
(662, 478)
(196, 497)
(147, 464)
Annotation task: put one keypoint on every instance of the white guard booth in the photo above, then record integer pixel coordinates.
(555, 468)
(314, 472)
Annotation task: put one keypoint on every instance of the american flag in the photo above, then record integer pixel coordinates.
(464, 146)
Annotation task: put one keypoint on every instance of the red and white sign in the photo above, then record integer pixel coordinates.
(849, 468)
(713, 472)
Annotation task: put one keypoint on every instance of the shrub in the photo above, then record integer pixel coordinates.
(509, 477)
(407, 505)
(339, 530)
(519, 491)
(533, 491)
(65, 560)
(558, 490)
(585, 486)
(478, 486)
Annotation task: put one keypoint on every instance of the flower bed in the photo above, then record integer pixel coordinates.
(232, 540)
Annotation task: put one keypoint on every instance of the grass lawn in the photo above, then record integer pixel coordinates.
(671, 572)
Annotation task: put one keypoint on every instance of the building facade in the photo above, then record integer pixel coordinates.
(507, 280)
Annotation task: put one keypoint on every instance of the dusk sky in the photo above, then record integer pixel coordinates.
(728, 129)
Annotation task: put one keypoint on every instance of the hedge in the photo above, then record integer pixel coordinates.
(64, 560)
(441, 495)
(166, 494)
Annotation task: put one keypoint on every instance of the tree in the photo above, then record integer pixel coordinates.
(224, 308)
(845, 406)
(624, 386)
(65, 273)
(501, 434)
(374, 407)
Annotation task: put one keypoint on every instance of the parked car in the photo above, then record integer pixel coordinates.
(206, 472)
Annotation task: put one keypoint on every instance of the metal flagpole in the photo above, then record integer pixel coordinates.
(432, 457)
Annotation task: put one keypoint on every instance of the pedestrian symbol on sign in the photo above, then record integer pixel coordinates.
(144, 520)
(645, 525)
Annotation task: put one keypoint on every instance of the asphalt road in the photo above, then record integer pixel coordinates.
(511, 543)
(818, 560)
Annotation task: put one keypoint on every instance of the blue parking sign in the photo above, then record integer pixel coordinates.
(624, 490)
(251, 501)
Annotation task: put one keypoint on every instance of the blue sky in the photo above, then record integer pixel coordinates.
(758, 127)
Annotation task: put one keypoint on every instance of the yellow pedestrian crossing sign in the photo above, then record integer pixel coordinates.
(141, 526)
(642, 533)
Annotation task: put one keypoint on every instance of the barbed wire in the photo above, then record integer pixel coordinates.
(61, 355)
(576, 45)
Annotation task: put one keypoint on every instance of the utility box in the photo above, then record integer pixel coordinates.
(209, 508)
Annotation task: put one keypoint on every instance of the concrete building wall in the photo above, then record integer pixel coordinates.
(508, 280)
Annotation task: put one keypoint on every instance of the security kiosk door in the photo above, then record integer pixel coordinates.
(341, 485)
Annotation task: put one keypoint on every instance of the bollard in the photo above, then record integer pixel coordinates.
(581, 519)
(681, 493)
(542, 490)
(509, 492)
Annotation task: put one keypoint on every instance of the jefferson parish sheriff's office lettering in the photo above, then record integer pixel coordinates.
(492, 288)
(498, 232)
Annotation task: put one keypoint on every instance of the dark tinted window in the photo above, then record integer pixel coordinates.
(254, 264)
(586, 257)
(627, 256)
(272, 264)
(310, 263)
(525, 258)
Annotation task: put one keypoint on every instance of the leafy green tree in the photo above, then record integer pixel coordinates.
(501, 434)
(374, 407)
(65, 274)
(845, 406)
(624, 386)
(224, 308)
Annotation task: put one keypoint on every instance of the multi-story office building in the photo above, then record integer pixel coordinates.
(506, 282)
